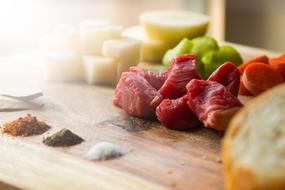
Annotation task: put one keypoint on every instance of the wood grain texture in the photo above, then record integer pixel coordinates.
(30, 167)
(179, 160)
(172, 159)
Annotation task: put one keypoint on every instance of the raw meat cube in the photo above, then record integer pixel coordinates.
(136, 96)
(180, 72)
(94, 33)
(63, 66)
(212, 103)
(155, 79)
(227, 75)
(100, 70)
(126, 51)
(175, 114)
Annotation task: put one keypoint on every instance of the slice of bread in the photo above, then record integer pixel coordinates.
(254, 146)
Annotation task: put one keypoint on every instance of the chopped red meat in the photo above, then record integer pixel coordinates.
(212, 103)
(175, 114)
(136, 96)
(155, 79)
(228, 75)
(180, 72)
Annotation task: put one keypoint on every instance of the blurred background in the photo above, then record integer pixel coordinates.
(258, 23)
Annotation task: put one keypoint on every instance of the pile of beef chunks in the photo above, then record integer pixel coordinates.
(179, 98)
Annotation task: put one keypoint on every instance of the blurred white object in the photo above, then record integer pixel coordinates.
(94, 24)
(152, 50)
(14, 104)
(94, 33)
(126, 51)
(13, 97)
(25, 93)
(100, 70)
(63, 66)
(65, 36)
(104, 151)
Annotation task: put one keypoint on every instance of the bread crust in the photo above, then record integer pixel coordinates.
(237, 175)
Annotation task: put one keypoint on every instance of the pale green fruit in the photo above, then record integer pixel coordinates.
(172, 25)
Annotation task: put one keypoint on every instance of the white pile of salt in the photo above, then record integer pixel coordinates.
(104, 151)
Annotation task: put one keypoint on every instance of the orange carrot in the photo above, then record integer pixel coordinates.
(280, 59)
(259, 59)
(258, 77)
(278, 64)
(242, 90)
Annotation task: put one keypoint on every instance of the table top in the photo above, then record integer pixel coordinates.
(157, 158)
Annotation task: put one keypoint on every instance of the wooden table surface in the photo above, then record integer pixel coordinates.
(157, 158)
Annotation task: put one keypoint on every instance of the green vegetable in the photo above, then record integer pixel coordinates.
(182, 48)
(213, 59)
(209, 56)
(201, 46)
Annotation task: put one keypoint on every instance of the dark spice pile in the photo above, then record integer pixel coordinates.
(25, 126)
(63, 137)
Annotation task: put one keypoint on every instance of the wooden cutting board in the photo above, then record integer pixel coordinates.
(157, 158)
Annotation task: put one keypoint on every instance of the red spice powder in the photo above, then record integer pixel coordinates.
(25, 126)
